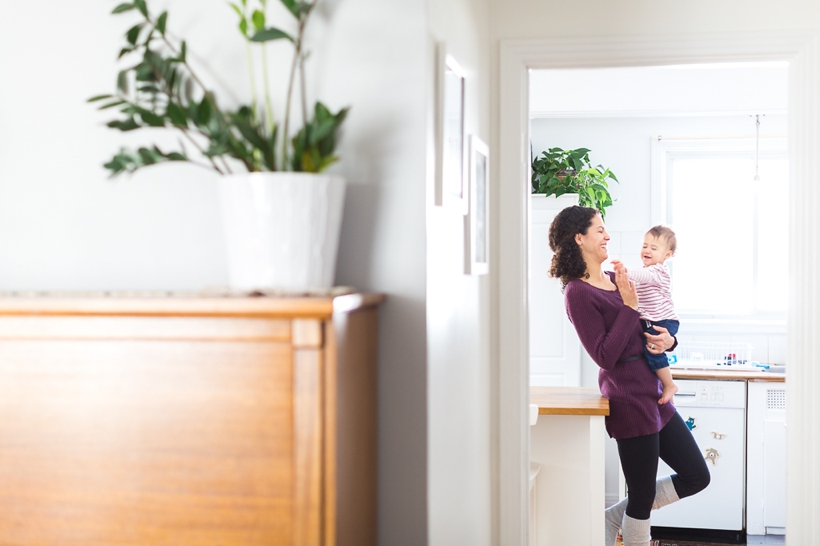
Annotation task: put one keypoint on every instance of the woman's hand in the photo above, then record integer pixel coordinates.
(627, 289)
(658, 344)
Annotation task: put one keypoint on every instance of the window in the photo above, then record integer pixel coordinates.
(732, 257)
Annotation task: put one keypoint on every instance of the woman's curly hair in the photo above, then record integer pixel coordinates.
(567, 262)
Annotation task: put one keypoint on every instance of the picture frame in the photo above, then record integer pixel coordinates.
(477, 251)
(450, 190)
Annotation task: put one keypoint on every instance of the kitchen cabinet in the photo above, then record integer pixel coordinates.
(766, 461)
(762, 493)
(567, 452)
(188, 421)
(555, 350)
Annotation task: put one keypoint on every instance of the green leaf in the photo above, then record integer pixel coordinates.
(128, 125)
(140, 5)
(183, 50)
(243, 27)
(122, 81)
(188, 89)
(238, 10)
(163, 18)
(258, 19)
(111, 104)
(125, 51)
(122, 7)
(291, 6)
(271, 34)
(95, 98)
(133, 33)
(151, 118)
(147, 156)
(177, 114)
(204, 111)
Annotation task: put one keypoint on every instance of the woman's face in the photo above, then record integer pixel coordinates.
(593, 244)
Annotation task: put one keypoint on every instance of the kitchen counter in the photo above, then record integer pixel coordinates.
(569, 401)
(567, 445)
(729, 375)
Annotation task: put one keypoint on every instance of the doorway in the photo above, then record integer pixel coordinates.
(516, 60)
(683, 141)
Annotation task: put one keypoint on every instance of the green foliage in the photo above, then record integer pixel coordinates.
(558, 171)
(159, 90)
(313, 146)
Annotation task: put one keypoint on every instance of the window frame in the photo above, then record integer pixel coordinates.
(664, 151)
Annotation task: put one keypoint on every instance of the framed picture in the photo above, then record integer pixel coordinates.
(477, 253)
(450, 157)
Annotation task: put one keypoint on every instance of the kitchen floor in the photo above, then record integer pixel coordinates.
(750, 540)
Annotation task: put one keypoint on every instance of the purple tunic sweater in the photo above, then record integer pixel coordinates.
(610, 331)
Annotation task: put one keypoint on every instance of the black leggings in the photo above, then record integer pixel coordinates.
(639, 460)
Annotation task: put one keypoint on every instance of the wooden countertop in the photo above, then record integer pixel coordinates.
(569, 401)
(199, 304)
(730, 376)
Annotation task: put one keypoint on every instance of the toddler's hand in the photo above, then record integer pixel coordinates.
(619, 266)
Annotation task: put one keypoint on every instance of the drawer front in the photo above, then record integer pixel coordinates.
(158, 442)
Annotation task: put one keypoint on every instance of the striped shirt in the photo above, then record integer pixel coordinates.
(654, 286)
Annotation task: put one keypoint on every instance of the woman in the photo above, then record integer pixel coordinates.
(603, 308)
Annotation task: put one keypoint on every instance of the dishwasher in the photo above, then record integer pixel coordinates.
(715, 412)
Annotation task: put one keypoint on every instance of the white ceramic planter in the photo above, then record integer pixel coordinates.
(282, 229)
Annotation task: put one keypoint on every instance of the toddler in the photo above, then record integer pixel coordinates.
(653, 284)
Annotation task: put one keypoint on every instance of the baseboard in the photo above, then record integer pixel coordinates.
(674, 536)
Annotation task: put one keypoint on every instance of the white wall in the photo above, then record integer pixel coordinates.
(63, 226)
(623, 145)
(460, 381)
(703, 89)
(379, 68)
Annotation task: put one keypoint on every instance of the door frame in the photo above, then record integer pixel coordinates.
(802, 50)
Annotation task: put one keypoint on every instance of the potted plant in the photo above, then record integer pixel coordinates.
(558, 172)
(281, 215)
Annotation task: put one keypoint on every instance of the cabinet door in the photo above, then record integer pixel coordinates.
(151, 435)
(555, 351)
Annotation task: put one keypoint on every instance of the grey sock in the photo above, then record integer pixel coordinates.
(613, 517)
(664, 493)
(635, 531)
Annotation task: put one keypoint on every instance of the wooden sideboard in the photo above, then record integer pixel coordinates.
(188, 421)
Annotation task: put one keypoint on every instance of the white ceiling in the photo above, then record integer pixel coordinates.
(715, 89)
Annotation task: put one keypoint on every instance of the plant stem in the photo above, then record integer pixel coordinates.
(250, 73)
(201, 151)
(225, 163)
(287, 105)
(302, 26)
(267, 88)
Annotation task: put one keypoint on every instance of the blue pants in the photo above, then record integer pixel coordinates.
(656, 362)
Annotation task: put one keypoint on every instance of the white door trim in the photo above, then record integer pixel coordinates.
(517, 57)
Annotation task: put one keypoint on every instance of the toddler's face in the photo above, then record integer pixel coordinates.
(654, 250)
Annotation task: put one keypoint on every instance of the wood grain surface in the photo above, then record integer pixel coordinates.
(569, 401)
(207, 423)
(177, 443)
